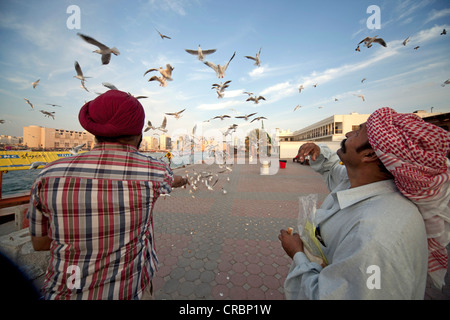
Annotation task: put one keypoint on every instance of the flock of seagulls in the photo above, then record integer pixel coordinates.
(166, 74)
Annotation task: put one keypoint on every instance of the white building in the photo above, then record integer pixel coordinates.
(330, 131)
(332, 128)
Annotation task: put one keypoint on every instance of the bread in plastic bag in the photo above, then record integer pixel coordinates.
(307, 229)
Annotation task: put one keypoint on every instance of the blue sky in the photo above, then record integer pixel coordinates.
(302, 42)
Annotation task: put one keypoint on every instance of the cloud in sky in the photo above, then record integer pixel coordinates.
(436, 14)
(288, 88)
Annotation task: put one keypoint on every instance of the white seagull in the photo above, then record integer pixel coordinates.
(221, 117)
(368, 41)
(37, 164)
(76, 150)
(297, 107)
(222, 86)
(245, 117)
(28, 101)
(258, 118)
(79, 75)
(162, 81)
(105, 51)
(405, 41)
(256, 58)
(220, 70)
(360, 96)
(166, 73)
(200, 53)
(162, 35)
(176, 114)
(161, 128)
(109, 85)
(48, 114)
(256, 99)
(35, 83)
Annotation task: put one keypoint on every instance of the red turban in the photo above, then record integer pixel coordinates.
(414, 151)
(112, 114)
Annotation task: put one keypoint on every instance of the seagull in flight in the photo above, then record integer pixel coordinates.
(35, 83)
(109, 85)
(175, 114)
(220, 70)
(297, 107)
(446, 82)
(258, 118)
(200, 53)
(79, 75)
(37, 164)
(53, 105)
(166, 73)
(222, 86)
(162, 81)
(368, 41)
(162, 35)
(105, 51)
(360, 96)
(28, 101)
(222, 117)
(162, 127)
(406, 41)
(76, 150)
(300, 88)
(256, 58)
(246, 116)
(256, 99)
(82, 86)
(444, 32)
(48, 114)
(363, 79)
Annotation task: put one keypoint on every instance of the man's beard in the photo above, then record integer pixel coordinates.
(343, 145)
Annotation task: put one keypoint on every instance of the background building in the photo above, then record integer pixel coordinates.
(332, 130)
(35, 137)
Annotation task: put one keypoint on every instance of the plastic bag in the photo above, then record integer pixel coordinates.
(307, 229)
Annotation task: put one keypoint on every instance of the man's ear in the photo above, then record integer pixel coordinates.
(369, 155)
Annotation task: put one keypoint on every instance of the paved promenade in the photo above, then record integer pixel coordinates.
(225, 246)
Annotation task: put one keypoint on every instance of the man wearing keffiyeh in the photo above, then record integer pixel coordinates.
(388, 208)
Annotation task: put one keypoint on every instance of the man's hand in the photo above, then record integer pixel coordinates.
(41, 243)
(179, 181)
(291, 243)
(309, 149)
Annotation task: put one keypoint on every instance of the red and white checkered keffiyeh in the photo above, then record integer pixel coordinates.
(414, 151)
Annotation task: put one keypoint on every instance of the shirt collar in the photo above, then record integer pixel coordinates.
(351, 196)
(114, 146)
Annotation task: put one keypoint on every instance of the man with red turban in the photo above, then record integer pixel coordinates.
(386, 221)
(94, 211)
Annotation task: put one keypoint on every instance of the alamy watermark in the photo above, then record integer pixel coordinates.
(374, 21)
(74, 279)
(74, 20)
(374, 280)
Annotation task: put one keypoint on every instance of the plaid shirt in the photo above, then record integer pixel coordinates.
(97, 207)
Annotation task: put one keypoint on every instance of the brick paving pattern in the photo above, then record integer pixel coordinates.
(225, 246)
